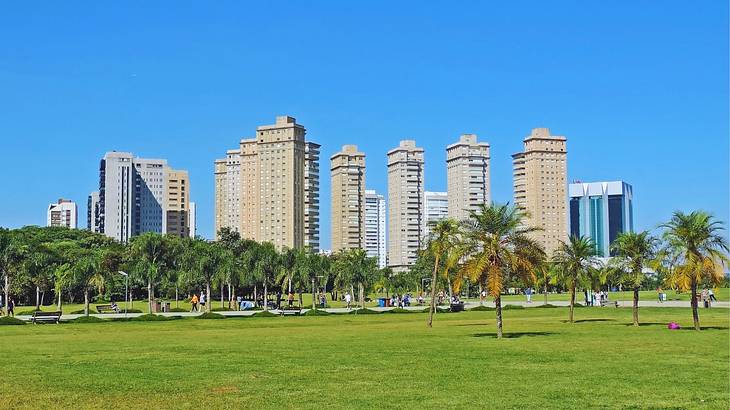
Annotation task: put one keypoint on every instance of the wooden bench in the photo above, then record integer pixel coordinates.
(106, 309)
(609, 303)
(45, 317)
(290, 310)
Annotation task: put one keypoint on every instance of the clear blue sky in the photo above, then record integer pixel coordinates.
(639, 88)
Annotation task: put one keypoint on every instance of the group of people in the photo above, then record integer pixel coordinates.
(9, 309)
(197, 303)
(595, 298)
(707, 296)
(400, 300)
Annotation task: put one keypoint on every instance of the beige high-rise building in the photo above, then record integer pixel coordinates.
(260, 187)
(347, 169)
(405, 204)
(540, 186)
(467, 171)
(177, 203)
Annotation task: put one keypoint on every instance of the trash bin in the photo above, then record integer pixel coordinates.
(381, 302)
(156, 306)
(165, 306)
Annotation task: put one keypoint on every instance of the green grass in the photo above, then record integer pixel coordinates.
(367, 361)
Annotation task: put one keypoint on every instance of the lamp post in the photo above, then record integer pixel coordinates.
(126, 292)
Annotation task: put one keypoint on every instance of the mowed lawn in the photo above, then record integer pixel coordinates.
(369, 361)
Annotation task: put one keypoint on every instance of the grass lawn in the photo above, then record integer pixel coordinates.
(367, 361)
(722, 294)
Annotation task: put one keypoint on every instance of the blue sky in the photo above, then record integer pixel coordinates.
(639, 88)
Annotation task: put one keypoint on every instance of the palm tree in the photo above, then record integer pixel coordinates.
(544, 275)
(442, 246)
(354, 267)
(574, 263)
(266, 266)
(634, 251)
(700, 248)
(149, 254)
(500, 246)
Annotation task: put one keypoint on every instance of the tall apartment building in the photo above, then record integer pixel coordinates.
(262, 188)
(405, 204)
(467, 171)
(177, 203)
(93, 212)
(540, 186)
(63, 213)
(347, 170)
(133, 195)
(375, 242)
(436, 209)
(311, 196)
(601, 210)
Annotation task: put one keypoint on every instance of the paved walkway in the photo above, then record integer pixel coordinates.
(469, 305)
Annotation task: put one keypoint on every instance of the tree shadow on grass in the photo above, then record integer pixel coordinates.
(589, 320)
(706, 328)
(690, 327)
(513, 335)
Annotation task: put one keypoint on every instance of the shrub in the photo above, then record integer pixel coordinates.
(87, 319)
(482, 308)
(178, 310)
(316, 312)
(512, 307)
(265, 313)
(10, 321)
(401, 310)
(364, 312)
(131, 311)
(222, 309)
(545, 306)
(152, 318)
(210, 315)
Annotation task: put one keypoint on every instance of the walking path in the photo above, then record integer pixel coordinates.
(468, 305)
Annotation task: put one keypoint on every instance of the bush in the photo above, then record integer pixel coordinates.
(364, 312)
(265, 313)
(10, 321)
(316, 312)
(401, 310)
(546, 306)
(152, 318)
(178, 310)
(87, 319)
(27, 312)
(482, 308)
(222, 309)
(210, 315)
(512, 307)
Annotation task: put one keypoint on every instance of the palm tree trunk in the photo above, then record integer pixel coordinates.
(7, 292)
(86, 302)
(37, 298)
(222, 302)
(498, 310)
(572, 301)
(207, 293)
(695, 314)
(60, 293)
(314, 305)
(636, 306)
(362, 295)
(231, 291)
(149, 296)
(451, 291)
(301, 297)
(432, 308)
(177, 303)
(546, 301)
(255, 295)
(266, 297)
(43, 297)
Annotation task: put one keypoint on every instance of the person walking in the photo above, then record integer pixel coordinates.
(348, 299)
(290, 299)
(711, 295)
(202, 301)
(704, 297)
(528, 294)
(659, 294)
(194, 303)
(11, 307)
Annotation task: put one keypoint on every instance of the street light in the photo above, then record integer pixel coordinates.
(126, 292)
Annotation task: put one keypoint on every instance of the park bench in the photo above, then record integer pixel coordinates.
(290, 310)
(605, 303)
(106, 309)
(45, 317)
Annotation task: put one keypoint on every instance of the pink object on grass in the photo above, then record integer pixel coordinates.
(673, 326)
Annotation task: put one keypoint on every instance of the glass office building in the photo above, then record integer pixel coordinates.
(601, 210)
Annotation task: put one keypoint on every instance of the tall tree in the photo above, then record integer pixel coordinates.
(266, 266)
(634, 252)
(499, 247)
(12, 255)
(700, 249)
(575, 262)
(442, 245)
(149, 256)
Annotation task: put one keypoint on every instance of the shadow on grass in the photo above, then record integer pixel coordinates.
(690, 327)
(589, 320)
(513, 335)
(706, 328)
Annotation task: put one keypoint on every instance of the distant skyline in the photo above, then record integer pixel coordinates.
(640, 90)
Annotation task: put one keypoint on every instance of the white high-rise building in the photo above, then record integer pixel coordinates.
(375, 242)
(436, 209)
(63, 213)
(93, 212)
(134, 197)
(405, 204)
(193, 220)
